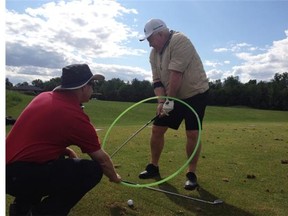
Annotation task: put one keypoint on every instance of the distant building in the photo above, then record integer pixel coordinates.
(10, 120)
(96, 96)
(31, 90)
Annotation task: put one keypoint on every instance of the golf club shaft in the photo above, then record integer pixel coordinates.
(133, 135)
(179, 195)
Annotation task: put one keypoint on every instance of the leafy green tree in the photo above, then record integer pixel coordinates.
(51, 84)
(22, 84)
(279, 85)
(125, 93)
(214, 92)
(233, 90)
(111, 88)
(38, 83)
(250, 93)
(9, 85)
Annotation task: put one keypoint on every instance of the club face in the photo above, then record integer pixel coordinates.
(218, 201)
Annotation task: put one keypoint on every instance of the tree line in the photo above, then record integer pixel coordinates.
(272, 95)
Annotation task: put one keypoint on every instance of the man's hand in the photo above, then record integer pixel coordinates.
(70, 153)
(168, 106)
(118, 179)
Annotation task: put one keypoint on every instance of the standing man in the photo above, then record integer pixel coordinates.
(39, 176)
(178, 72)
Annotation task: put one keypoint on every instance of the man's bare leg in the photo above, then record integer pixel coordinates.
(156, 146)
(157, 143)
(192, 138)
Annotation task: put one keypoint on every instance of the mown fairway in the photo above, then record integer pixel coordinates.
(242, 162)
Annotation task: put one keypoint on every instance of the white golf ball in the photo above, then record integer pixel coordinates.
(130, 202)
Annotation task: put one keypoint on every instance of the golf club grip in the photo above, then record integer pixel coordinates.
(157, 116)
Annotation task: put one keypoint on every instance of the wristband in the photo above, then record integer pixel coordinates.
(158, 84)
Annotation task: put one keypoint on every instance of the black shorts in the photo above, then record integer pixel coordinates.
(181, 111)
(29, 180)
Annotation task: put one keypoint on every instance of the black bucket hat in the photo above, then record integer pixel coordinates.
(76, 76)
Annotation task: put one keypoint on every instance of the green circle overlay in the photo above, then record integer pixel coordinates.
(185, 164)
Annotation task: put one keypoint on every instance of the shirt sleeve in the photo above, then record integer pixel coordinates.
(155, 75)
(84, 135)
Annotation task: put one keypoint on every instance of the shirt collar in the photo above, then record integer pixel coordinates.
(167, 42)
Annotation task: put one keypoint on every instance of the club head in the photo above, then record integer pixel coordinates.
(218, 201)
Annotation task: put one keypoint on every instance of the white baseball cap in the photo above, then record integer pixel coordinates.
(153, 25)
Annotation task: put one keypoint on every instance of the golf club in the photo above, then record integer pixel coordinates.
(133, 135)
(215, 202)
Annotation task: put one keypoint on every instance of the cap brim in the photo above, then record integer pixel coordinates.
(99, 77)
(142, 39)
(145, 37)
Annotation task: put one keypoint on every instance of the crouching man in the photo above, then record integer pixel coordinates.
(42, 181)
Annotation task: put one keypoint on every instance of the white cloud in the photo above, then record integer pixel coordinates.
(215, 74)
(212, 63)
(216, 63)
(56, 34)
(125, 73)
(254, 62)
(264, 66)
(219, 50)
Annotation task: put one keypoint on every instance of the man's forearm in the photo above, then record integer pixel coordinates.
(106, 163)
(109, 170)
(160, 91)
(175, 82)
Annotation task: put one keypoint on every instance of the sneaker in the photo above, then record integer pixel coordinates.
(12, 209)
(151, 171)
(191, 183)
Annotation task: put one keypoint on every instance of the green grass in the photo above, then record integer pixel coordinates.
(237, 142)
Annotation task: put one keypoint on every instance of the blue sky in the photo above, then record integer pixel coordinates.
(248, 39)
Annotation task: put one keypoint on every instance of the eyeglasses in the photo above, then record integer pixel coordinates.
(91, 83)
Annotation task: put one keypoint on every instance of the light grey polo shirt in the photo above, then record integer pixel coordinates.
(180, 55)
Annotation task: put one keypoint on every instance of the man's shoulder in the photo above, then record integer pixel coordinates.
(179, 37)
(178, 34)
(45, 94)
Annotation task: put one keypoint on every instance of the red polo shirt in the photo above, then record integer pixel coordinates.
(50, 123)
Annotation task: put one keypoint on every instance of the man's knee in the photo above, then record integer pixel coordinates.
(91, 171)
(158, 131)
(192, 135)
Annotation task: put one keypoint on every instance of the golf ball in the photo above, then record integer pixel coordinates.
(130, 202)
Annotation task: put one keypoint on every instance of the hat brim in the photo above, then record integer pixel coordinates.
(146, 36)
(99, 77)
(158, 29)
(142, 39)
